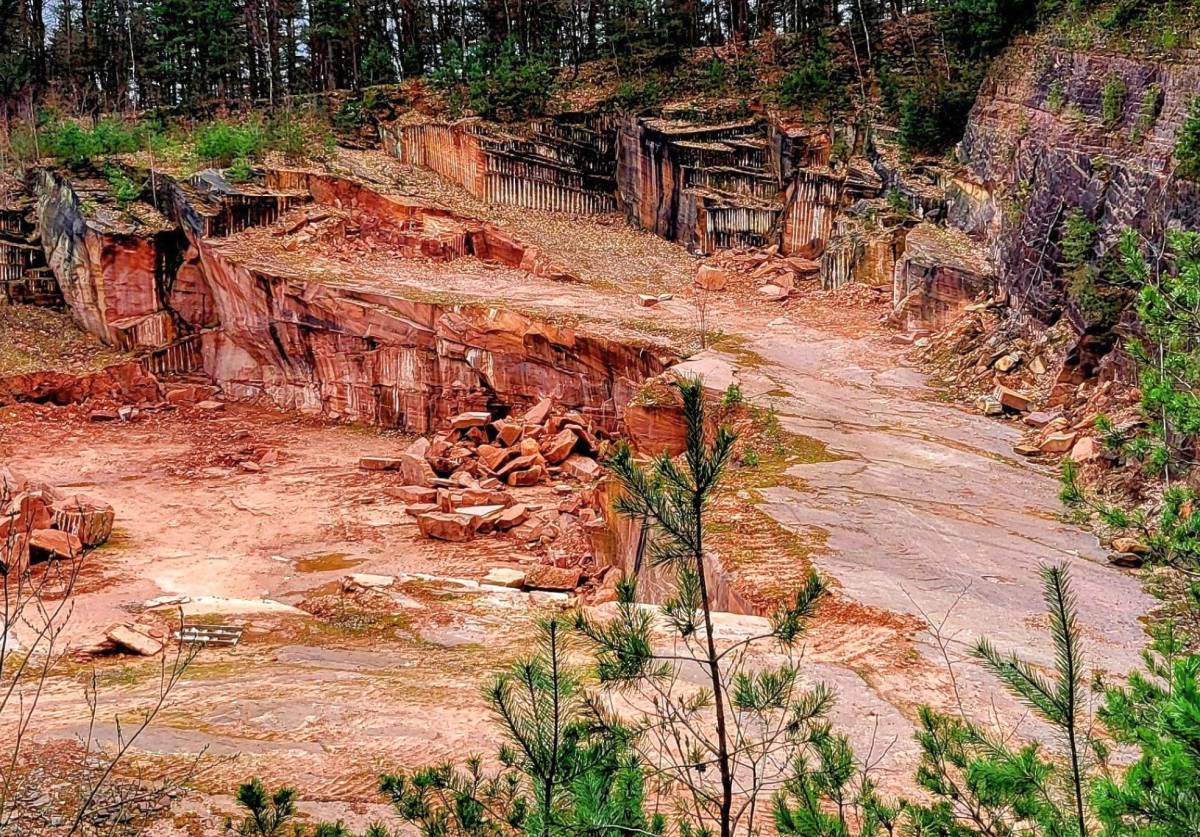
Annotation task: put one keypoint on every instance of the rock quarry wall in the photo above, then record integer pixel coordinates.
(344, 352)
(562, 166)
(1038, 145)
(112, 277)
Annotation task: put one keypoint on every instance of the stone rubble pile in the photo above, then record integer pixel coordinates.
(39, 522)
(1049, 381)
(457, 485)
(999, 367)
(775, 276)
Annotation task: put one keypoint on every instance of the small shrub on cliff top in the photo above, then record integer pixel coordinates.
(1187, 145)
(222, 142)
(121, 187)
(74, 144)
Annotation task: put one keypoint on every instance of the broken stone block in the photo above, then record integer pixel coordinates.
(418, 509)
(647, 300)
(1130, 545)
(463, 421)
(481, 514)
(31, 510)
(1011, 399)
(539, 412)
(14, 552)
(1085, 450)
(508, 433)
(1027, 450)
(381, 463)
(85, 517)
(526, 477)
(1006, 363)
(414, 494)
(446, 526)
(210, 406)
(1040, 419)
(711, 278)
(414, 467)
(50, 544)
(512, 517)
(1058, 442)
(520, 463)
(530, 530)
(129, 639)
(486, 497)
(582, 468)
(547, 577)
(504, 577)
(493, 457)
(559, 447)
(774, 292)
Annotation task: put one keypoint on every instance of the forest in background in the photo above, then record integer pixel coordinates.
(105, 56)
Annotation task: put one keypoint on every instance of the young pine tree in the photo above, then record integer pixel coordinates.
(565, 769)
(728, 745)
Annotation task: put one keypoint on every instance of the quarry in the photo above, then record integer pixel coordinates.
(340, 432)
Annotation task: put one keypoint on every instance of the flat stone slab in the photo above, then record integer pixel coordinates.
(504, 577)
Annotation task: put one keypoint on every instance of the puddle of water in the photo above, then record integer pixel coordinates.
(326, 562)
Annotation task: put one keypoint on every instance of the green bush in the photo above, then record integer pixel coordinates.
(223, 142)
(1079, 237)
(73, 144)
(1056, 98)
(933, 119)
(634, 96)
(292, 134)
(497, 81)
(239, 171)
(124, 190)
(811, 82)
(1187, 144)
(1112, 101)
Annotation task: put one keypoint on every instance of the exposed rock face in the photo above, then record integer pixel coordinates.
(24, 276)
(380, 359)
(124, 383)
(857, 252)
(706, 186)
(1038, 146)
(565, 165)
(112, 276)
(941, 271)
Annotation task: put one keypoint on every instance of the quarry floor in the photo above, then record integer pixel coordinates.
(917, 511)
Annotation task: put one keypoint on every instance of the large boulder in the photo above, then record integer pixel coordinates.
(85, 517)
(53, 544)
